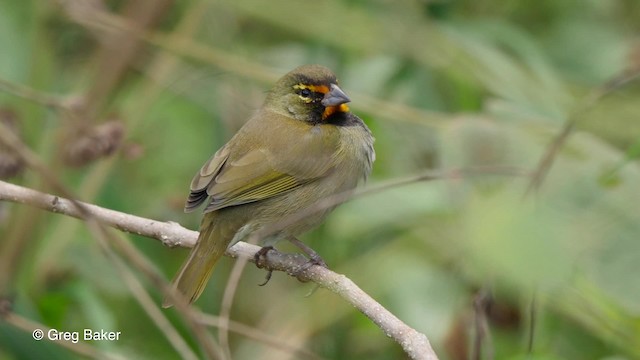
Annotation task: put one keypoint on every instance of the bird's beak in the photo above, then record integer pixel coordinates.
(335, 97)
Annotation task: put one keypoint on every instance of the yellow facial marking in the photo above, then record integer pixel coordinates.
(314, 88)
(319, 88)
(300, 87)
(330, 110)
(323, 89)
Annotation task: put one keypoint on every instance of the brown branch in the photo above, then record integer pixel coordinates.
(171, 234)
(105, 239)
(414, 343)
(155, 313)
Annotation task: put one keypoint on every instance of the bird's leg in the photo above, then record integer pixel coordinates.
(258, 258)
(314, 257)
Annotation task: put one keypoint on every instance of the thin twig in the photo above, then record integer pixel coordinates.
(98, 230)
(171, 233)
(532, 322)
(227, 302)
(187, 47)
(134, 257)
(546, 161)
(36, 96)
(153, 311)
(482, 333)
(255, 334)
(336, 199)
(414, 343)
(591, 100)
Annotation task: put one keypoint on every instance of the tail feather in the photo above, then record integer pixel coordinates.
(194, 274)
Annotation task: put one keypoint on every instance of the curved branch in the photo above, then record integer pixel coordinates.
(414, 343)
(170, 233)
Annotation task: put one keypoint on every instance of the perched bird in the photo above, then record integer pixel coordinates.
(303, 145)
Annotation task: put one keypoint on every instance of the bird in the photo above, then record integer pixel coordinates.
(301, 146)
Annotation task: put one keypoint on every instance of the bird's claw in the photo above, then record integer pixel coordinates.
(266, 278)
(260, 259)
(314, 260)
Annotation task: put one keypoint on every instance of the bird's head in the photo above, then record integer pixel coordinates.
(309, 93)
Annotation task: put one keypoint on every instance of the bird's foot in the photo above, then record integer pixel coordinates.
(314, 260)
(260, 259)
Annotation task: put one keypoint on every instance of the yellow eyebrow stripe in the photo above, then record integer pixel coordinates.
(323, 89)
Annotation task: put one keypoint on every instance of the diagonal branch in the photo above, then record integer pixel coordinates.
(414, 343)
(104, 239)
(591, 100)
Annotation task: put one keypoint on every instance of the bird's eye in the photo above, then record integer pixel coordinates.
(305, 93)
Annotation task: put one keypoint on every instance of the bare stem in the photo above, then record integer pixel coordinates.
(591, 100)
(414, 343)
(28, 93)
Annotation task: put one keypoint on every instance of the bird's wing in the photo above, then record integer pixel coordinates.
(230, 178)
(204, 177)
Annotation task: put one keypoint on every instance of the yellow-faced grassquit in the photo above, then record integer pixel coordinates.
(303, 145)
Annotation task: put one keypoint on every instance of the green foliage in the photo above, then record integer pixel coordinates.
(442, 84)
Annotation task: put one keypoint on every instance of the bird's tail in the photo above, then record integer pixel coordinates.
(196, 270)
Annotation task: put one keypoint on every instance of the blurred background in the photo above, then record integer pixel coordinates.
(124, 101)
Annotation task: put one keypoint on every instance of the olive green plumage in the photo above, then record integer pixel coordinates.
(302, 146)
